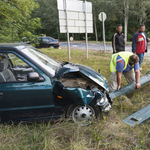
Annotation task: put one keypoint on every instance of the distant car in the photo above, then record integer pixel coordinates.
(24, 40)
(45, 42)
(34, 86)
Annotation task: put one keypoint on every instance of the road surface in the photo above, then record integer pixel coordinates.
(96, 46)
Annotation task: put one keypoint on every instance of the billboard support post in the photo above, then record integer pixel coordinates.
(65, 4)
(102, 17)
(86, 35)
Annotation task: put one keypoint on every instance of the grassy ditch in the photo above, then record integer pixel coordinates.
(110, 133)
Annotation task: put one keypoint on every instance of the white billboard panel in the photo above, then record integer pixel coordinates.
(89, 29)
(74, 5)
(76, 29)
(76, 16)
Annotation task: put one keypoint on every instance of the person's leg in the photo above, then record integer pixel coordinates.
(141, 57)
(113, 81)
(130, 76)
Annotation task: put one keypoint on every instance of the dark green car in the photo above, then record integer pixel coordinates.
(35, 86)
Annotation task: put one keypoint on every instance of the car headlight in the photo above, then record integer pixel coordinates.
(102, 102)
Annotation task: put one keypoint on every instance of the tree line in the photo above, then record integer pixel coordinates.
(32, 18)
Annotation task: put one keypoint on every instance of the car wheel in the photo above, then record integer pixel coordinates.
(51, 47)
(83, 115)
(56, 47)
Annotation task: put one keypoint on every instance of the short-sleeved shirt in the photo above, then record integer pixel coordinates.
(120, 63)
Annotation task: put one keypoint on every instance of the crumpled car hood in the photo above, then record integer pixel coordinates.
(86, 71)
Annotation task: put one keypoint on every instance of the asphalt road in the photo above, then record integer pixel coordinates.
(96, 46)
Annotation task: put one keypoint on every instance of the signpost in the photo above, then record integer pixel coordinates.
(75, 17)
(102, 17)
(65, 8)
(86, 36)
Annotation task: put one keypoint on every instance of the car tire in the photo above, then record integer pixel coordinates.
(51, 47)
(83, 115)
(56, 47)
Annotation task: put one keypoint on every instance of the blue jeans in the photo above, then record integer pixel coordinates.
(141, 57)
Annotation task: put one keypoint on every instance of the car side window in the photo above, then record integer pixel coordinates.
(13, 69)
(50, 40)
(45, 40)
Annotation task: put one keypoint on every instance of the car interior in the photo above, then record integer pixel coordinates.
(13, 69)
(6, 74)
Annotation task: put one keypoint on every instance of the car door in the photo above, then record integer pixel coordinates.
(21, 99)
(51, 42)
(45, 42)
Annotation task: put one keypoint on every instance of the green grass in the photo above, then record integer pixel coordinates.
(110, 133)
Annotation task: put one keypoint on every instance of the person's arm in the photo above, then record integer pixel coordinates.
(114, 42)
(147, 39)
(119, 67)
(119, 80)
(124, 41)
(134, 43)
(137, 77)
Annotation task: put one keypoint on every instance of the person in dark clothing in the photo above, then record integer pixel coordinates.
(118, 42)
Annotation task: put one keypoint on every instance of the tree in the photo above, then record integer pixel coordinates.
(16, 21)
(48, 14)
(128, 13)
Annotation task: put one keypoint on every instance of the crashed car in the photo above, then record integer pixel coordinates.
(33, 86)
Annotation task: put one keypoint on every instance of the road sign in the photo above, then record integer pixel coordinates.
(100, 16)
(71, 39)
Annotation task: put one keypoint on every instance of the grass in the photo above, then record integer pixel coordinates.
(110, 133)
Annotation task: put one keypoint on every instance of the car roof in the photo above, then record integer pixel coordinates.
(13, 46)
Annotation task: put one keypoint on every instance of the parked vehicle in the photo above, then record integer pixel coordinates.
(35, 86)
(47, 42)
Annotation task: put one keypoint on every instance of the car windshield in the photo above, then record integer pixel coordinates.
(46, 62)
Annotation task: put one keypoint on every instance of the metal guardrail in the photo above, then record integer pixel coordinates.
(130, 87)
(140, 116)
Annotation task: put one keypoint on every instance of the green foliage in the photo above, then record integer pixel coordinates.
(48, 14)
(89, 38)
(16, 21)
(138, 12)
(29, 17)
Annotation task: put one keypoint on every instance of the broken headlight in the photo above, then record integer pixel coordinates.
(104, 103)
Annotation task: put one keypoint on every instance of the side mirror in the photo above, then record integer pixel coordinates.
(34, 76)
